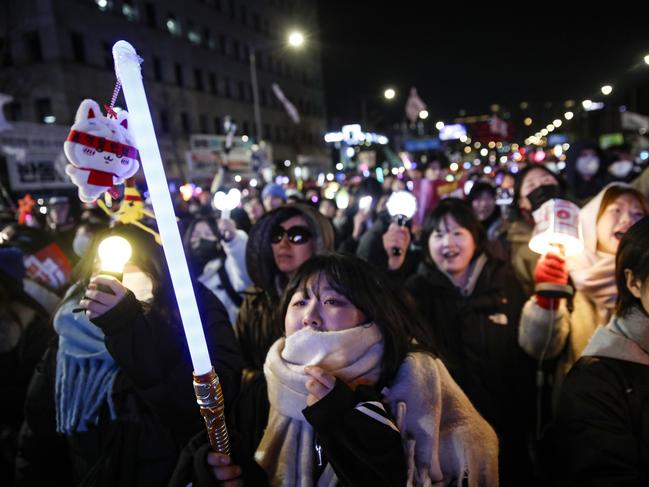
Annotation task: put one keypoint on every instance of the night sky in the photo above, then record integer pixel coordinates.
(471, 58)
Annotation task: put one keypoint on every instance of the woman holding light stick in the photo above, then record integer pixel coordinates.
(114, 386)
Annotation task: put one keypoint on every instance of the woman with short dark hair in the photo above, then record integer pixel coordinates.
(471, 302)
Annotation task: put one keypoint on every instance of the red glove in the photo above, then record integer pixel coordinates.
(550, 268)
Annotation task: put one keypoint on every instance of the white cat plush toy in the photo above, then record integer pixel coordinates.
(101, 151)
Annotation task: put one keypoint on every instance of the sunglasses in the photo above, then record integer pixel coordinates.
(297, 235)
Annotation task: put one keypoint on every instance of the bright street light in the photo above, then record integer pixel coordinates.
(587, 104)
(646, 59)
(389, 94)
(423, 114)
(607, 89)
(439, 125)
(568, 115)
(296, 39)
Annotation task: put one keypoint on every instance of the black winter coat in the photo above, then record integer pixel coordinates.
(602, 425)
(477, 338)
(153, 395)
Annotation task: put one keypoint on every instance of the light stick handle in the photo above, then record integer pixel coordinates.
(225, 214)
(209, 397)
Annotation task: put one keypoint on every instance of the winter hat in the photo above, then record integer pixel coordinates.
(273, 190)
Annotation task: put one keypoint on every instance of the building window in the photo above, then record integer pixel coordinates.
(203, 122)
(184, 122)
(173, 26)
(262, 97)
(246, 54)
(223, 44)
(14, 111)
(244, 15)
(157, 69)
(217, 125)
(256, 22)
(212, 82)
(43, 108)
(267, 134)
(107, 53)
(227, 90)
(233, 12)
(217, 5)
(278, 134)
(164, 121)
(242, 90)
(198, 79)
(235, 49)
(129, 11)
(33, 45)
(210, 43)
(5, 52)
(179, 74)
(78, 48)
(245, 126)
(149, 14)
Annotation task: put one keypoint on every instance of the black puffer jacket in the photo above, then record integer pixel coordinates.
(153, 395)
(258, 325)
(476, 336)
(602, 427)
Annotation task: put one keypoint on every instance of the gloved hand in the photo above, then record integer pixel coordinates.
(550, 268)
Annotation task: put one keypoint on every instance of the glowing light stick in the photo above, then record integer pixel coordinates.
(401, 206)
(342, 199)
(365, 203)
(206, 383)
(227, 202)
(114, 252)
(557, 229)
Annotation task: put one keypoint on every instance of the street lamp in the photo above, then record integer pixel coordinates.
(295, 40)
(389, 94)
(423, 114)
(607, 89)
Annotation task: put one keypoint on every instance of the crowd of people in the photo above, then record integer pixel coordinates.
(352, 349)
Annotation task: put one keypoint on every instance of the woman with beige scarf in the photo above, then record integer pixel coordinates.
(351, 401)
(548, 329)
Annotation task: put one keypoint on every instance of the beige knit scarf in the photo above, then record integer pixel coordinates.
(445, 439)
(286, 449)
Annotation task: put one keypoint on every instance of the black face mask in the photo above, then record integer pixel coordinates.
(544, 193)
(204, 251)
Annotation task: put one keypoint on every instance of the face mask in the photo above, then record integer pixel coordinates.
(140, 284)
(620, 169)
(587, 165)
(80, 244)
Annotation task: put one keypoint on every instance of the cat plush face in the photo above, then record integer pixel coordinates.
(85, 149)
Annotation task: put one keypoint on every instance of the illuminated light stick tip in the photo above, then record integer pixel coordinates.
(206, 384)
(401, 206)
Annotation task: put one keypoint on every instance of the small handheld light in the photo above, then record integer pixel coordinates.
(114, 252)
(401, 207)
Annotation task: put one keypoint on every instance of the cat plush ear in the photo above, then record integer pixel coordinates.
(88, 109)
(122, 119)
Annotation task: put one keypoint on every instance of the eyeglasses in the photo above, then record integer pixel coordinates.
(297, 235)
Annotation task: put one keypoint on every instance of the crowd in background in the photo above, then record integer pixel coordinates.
(380, 317)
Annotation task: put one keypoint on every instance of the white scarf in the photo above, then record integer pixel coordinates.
(286, 449)
(444, 437)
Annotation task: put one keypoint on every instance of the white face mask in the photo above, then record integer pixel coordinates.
(620, 169)
(80, 244)
(587, 165)
(140, 284)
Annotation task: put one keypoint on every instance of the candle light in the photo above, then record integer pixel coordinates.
(206, 383)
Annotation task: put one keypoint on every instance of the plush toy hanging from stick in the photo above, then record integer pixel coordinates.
(100, 149)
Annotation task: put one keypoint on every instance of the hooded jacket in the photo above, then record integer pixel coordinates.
(564, 334)
(602, 427)
(258, 325)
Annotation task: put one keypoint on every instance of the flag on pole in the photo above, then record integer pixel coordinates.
(414, 105)
(288, 106)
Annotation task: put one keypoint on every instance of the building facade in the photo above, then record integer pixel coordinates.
(196, 66)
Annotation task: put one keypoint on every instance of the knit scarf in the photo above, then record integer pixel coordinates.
(85, 371)
(597, 282)
(444, 437)
(286, 449)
